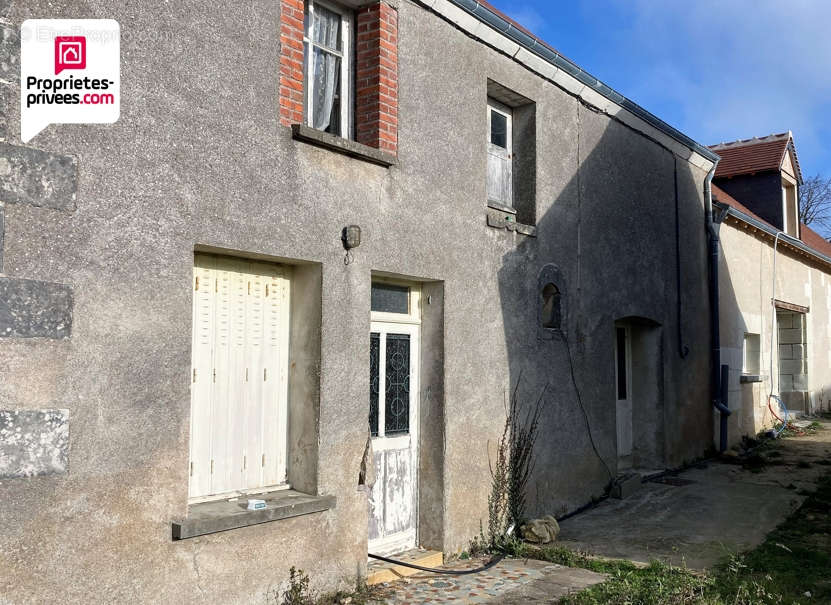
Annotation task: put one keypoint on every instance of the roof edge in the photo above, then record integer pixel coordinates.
(772, 231)
(496, 21)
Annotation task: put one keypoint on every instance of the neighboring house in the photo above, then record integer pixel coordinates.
(181, 326)
(756, 186)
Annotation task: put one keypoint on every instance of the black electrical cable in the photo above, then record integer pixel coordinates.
(583, 408)
(450, 572)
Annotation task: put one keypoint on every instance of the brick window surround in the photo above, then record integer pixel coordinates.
(375, 78)
(291, 62)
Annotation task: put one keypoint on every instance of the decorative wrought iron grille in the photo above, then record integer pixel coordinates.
(374, 354)
(397, 392)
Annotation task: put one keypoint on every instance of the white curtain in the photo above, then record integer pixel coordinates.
(326, 33)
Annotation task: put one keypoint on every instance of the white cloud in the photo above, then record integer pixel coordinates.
(526, 16)
(736, 69)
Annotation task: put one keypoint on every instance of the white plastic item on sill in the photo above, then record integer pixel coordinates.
(254, 504)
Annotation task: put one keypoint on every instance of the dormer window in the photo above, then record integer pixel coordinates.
(790, 207)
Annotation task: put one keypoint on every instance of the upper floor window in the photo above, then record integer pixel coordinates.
(790, 208)
(327, 55)
(500, 173)
(512, 155)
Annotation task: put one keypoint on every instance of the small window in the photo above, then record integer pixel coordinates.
(790, 209)
(751, 354)
(327, 64)
(551, 317)
(499, 129)
(389, 298)
(500, 172)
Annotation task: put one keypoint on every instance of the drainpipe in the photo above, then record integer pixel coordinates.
(716, 371)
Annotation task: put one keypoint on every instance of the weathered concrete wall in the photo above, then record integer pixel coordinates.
(198, 158)
(746, 289)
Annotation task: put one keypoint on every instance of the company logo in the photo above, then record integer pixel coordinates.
(70, 53)
(62, 83)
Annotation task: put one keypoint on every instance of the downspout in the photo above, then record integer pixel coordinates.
(716, 390)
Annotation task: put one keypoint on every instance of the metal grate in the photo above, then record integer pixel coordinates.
(374, 354)
(397, 394)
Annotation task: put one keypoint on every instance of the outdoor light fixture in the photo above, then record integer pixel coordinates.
(351, 238)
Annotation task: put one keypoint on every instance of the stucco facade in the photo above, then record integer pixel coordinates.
(746, 280)
(200, 162)
(774, 280)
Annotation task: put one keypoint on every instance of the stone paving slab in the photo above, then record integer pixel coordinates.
(721, 509)
(512, 581)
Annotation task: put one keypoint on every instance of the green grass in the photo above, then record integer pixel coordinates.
(794, 560)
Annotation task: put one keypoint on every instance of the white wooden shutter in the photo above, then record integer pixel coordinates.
(240, 375)
(255, 307)
(202, 375)
(275, 377)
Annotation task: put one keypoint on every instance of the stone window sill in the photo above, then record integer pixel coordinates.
(313, 136)
(501, 219)
(745, 378)
(221, 515)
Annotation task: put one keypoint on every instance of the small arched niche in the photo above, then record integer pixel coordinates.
(551, 315)
(551, 305)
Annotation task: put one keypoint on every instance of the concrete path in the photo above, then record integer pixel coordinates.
(511, 582)
(724, 508)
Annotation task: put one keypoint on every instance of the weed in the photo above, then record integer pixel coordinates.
(509, 475)
(298, 591)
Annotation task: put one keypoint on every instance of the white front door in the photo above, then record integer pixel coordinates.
(623, 388)
(393, 420)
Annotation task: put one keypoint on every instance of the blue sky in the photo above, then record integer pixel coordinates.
(716, 70)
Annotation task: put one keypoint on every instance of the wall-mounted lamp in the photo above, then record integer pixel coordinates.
(351, 238)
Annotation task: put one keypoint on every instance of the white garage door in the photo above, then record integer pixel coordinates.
(239, 377)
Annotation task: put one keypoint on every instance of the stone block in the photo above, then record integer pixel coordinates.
(34, 309)
(795, 400)
(39, 178)
(799, 352)
(33, 442)
(800, 382)
(786, 352)
(785, 321)
(791, 366)
(626, 486)
(9, 50)
(790, 336)
(540, 531)
(785, 382)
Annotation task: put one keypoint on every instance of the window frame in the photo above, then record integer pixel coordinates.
(213, 265)
(347, 65)
(495, 106)
(413, 316)
(747, 368)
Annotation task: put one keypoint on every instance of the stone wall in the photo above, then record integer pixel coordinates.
(793, 359)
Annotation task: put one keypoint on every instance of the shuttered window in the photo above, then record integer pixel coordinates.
(239, 377)
(500, 156)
